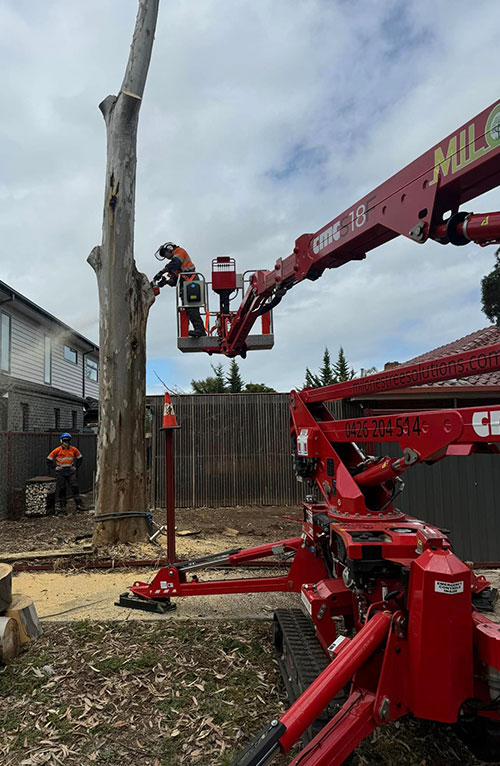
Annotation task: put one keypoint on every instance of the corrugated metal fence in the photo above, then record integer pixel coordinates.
(22, 456)
(459, 494)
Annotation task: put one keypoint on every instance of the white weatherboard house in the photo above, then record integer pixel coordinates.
(48, 371)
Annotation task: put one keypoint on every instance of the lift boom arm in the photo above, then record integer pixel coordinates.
(412, 203)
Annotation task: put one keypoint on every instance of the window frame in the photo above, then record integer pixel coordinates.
(74, 351)
(47, 359)
(7, 369)
(89, 364)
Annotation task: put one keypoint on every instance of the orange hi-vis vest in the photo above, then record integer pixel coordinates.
(64, 458)
(186, 264)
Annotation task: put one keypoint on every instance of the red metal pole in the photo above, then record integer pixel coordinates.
(336, 675)
(169, 424)
(170, 493)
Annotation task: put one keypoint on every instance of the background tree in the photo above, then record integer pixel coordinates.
(490, 292)
(311, 380)
(342, 371)
(125, 297)
(233, 379)
(258, 388)
(211, 385)
(326, 372)
(230, 382)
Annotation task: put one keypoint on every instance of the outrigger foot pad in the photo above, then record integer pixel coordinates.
(263, 746)
(131, 601)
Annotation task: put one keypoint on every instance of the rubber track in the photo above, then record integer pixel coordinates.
(301, 659)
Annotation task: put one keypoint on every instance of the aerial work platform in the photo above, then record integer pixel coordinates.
(228, 285)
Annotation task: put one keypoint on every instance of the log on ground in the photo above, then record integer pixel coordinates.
(22, 610)
(9, 639)
(5, 586)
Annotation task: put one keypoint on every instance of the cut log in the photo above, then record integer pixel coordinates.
(80, 550)
(5, 586)
(22, 610)
(9, 639)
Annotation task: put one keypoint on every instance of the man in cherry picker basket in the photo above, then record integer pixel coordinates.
(179, 266)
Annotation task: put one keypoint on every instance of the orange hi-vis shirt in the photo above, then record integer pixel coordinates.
(64, 458)
(186, 262)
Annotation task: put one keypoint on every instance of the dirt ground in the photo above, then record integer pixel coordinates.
(249, 525)
(91, 595)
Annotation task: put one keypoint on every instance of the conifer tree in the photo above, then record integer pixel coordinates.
(234, 380)
(311, 380)
(326, 373)
(211, 385)
(490, 292)
(341, 368)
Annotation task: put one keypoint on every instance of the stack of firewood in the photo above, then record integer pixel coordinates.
(18, 618)
(40, 496)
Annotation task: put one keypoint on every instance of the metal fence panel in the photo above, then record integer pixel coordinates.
(22, 456)
(87, 444)
(459, 494)
(231, 449)
(4, 467)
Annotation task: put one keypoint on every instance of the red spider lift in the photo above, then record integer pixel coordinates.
(393, 622)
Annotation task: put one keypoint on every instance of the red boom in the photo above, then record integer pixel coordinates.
(412, 203)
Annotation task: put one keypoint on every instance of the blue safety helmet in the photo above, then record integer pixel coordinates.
(65, 436)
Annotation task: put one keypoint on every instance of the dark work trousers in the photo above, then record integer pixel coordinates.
(194, 317)
(64, 477)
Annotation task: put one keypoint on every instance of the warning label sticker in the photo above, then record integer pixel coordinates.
(449, 587)
(306, 602)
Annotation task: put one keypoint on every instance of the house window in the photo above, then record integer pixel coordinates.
(91, 369)
(57, 417)
(25, 417)
(5, 329)
(74, 420)
(47, 363)
(70, 354)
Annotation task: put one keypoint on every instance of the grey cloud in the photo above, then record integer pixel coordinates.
(234, 88)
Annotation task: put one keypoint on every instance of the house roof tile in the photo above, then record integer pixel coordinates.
(485, 337)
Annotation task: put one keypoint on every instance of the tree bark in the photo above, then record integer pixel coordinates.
(125, 297)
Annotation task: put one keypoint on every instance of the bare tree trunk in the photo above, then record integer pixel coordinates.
(125, 297)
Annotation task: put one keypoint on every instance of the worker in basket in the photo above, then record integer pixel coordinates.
(180, 266)
(66, 459)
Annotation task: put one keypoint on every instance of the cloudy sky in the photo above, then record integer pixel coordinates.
(261, 120)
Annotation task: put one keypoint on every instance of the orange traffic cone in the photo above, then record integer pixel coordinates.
(169, 419)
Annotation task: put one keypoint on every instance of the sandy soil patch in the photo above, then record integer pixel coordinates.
(91, 595)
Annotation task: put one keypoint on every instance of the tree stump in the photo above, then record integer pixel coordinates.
(9, 639)
(5, 586)
(22, 610)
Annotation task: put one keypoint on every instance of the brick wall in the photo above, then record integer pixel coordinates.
(3, 414)
(40, 414)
